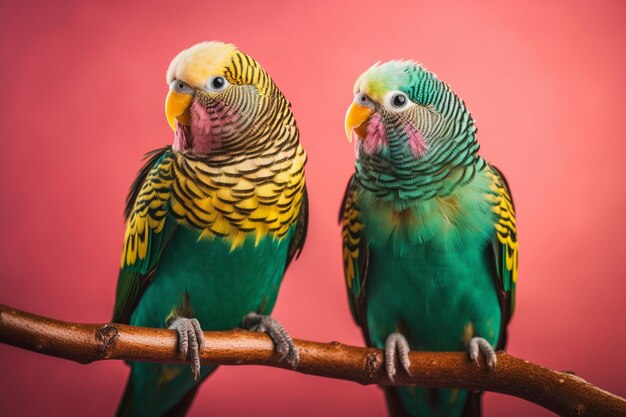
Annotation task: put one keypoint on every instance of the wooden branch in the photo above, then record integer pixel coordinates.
(563, 393)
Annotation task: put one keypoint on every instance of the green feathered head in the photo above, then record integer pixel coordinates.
(400, 110)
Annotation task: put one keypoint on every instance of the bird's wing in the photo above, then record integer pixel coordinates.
(299, 237)
(148, 230)
(355, 253)
(504, 247)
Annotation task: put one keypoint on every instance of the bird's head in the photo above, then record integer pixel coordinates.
(400, 110)
(220, 100)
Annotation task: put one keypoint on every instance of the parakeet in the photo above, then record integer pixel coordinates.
(212, 221)
(429, 235)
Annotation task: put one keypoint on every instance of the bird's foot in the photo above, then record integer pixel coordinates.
(190, 341)
(396, 346)
(282, 341)
(479, 345)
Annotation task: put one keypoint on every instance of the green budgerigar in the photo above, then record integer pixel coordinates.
(429, 234)
(212, 221)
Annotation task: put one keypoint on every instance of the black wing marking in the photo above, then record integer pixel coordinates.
(504, 249)
(151, 158)
(355, 254)
(302, 225)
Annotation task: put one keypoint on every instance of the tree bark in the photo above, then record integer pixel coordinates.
(564, 393)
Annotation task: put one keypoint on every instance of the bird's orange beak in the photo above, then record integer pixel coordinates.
(356, 117)
(177, 108)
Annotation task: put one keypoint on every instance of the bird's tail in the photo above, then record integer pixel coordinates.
(148, 395)
(429, 402)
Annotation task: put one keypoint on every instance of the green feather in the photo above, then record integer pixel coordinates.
(435, 232)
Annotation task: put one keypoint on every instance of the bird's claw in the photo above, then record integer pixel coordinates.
(396, 346)
(479, 345)
(282, 341)
(190, 341)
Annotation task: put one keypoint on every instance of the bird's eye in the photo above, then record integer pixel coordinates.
(217, 84)
(180, 87)
(399, 100)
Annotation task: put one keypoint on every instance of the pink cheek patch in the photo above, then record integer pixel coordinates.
(180, 138)
(417, 143)
(210, 126)
(376, 137)
(201, 129)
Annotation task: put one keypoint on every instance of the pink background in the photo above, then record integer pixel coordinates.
(82, 100)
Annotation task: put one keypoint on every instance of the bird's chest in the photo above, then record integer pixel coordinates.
(429, 268)
(253, 198)
(449, 224)
(214, 283)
